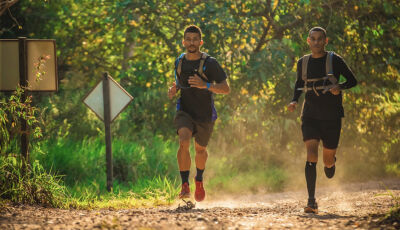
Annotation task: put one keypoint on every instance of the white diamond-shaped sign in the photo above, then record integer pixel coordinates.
(119, 99)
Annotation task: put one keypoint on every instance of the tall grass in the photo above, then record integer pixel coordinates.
(83, 162)
(144, 173)
(31, 185)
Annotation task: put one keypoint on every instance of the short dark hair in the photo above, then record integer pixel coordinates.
(317, 28)
(192, 29)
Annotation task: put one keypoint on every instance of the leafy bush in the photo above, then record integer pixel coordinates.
(30, 185)
(12, 111)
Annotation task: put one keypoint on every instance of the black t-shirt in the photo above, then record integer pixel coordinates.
(198, 103)
(325, 106)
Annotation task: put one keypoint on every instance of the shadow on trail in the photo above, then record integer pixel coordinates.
(175, 211)
(325, 216)
(223, 211)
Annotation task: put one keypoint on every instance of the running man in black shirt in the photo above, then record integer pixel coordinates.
(198, 76)
(318, 76)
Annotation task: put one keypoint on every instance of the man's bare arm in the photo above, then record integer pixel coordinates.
(172, 91)
(220, 88)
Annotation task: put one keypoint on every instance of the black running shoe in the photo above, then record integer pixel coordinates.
(312, 207)
(330, 172)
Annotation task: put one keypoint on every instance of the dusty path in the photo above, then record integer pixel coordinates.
(349, 207)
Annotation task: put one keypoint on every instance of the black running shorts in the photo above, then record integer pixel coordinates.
(326, 130)
(201, 131)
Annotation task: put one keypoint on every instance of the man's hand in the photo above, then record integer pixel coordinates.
(292, 106)
(172, 91)
(196, 81)
(335, 90)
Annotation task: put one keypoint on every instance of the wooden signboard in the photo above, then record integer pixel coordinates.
(39, 56)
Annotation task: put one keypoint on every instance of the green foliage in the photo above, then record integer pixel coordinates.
(36, 186)
(21, 182)
(145, 192)
(84, 162)
(257, 44)
(12, 110)
(393, 168)
(32, 185)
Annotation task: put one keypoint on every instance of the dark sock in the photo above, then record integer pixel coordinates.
(199, 175)
(185, 176)
(311, 177)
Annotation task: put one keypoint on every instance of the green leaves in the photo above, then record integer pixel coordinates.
(12, 110)
(30, 185)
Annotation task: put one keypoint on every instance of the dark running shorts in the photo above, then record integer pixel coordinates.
(326, 130)
(201, 131)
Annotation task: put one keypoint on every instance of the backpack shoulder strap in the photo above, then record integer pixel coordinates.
(329, 68)
(304, 65)
(202, 67)
(178, 64)
(178, 67)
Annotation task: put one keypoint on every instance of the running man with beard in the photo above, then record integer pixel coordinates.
(198, 76)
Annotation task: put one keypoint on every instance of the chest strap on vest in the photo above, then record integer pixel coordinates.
(201, 69)
(329, 75)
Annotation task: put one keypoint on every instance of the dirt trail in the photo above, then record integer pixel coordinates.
(348, 207)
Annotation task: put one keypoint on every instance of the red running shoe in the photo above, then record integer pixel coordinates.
(199, 194)
(185, 192)
(312, 207)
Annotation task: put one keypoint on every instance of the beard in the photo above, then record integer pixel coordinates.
(192, 49)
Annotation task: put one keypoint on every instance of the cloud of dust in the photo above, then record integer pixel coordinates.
(251, 155)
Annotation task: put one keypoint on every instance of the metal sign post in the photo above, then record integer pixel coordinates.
(23, 84)
(107, 100)
(107, 126)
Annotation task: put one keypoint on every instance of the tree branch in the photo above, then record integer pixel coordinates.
(5, 4)
(267, 14)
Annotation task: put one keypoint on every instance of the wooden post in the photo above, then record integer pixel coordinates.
(107, 125)
(23, 83)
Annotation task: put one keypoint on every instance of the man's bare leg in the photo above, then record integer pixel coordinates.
(312, 150)
(201, 156)
(183, 155)
(201, 159)
(184, 160)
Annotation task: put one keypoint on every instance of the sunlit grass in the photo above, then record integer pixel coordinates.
(394, 211)
(83, 162)
(144, 173)
(146, 193)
